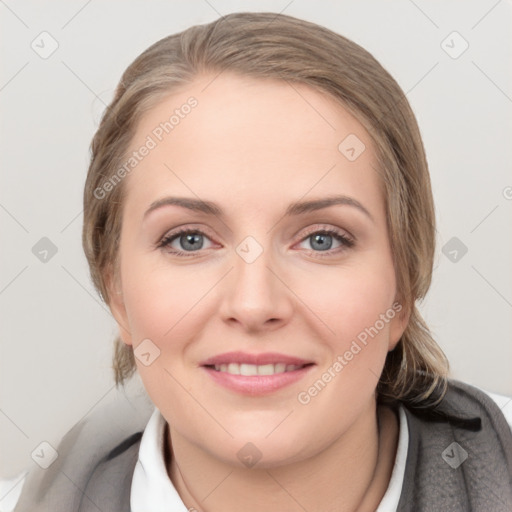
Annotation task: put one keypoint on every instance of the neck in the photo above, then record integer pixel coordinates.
(350, 475)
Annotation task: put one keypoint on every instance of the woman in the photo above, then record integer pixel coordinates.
(259, 218)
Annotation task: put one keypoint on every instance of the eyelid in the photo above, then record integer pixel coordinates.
(346, 242)
(345, 239)
(329, 228)
(185, 228)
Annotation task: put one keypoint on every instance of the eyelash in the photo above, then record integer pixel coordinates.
(346, 242)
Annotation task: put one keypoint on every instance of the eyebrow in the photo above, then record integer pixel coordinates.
(297, 208)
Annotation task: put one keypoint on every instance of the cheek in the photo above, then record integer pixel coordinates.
(359, 309)
(164, 301)
(356, 304)
(362, 303)
(176, 306)
(350, 299)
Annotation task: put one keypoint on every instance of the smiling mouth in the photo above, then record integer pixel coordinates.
(249, 370)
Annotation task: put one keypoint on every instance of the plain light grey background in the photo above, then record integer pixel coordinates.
(56, 334)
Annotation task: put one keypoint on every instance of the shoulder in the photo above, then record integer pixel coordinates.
(109, 432)
(467, 416)
(464, 438)
(464, 400)
(468, 407)
(503, 402)
(463, 403)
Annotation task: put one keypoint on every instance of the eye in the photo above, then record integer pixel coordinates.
(187, 240)
(321, 241)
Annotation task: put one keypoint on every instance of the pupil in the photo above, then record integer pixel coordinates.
(192, 241)
(322, 244)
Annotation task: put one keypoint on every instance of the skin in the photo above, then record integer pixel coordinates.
(254, 146)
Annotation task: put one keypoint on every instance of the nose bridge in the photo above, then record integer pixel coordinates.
(254, 294)
(253, 278)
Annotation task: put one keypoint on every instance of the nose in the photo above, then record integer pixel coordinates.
(255, 294)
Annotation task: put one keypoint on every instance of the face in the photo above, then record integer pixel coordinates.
(257, 313)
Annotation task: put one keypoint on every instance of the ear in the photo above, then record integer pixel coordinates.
(116, 304)
(398, 324)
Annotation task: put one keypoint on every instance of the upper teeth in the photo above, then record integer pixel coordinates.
(253, 369)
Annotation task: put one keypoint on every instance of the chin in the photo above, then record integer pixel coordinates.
(261, 450)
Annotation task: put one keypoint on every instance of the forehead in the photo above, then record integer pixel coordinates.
(231, 136)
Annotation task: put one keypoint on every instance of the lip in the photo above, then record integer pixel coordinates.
(256, 385)
(257, 359)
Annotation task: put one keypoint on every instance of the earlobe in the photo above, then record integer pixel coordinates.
(117, 306)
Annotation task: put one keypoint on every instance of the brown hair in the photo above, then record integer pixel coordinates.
(269, 45)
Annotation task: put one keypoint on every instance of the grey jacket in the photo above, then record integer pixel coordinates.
(459, 459)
